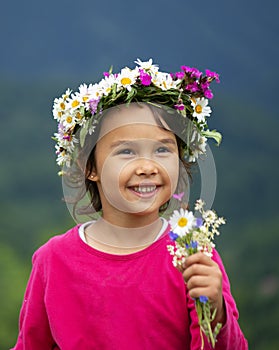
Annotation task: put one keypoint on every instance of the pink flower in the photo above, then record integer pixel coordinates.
(145, 78)
(208, 94)
(205, 85)
(212, 75)
(193, 87)
(179, 106)
(180, 75)
(106, 74)
(67, 137)
(195, 73)
(186, 69)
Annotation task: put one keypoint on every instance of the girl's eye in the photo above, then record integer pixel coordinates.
(126, 151)
(162, 150)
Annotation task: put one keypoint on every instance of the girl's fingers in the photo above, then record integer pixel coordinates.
(198, 258)
(203, 277)
(196, 270)
(198, 281)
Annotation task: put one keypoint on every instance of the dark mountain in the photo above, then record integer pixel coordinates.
(78, 40)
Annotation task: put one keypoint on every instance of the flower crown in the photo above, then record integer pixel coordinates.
(187, 91)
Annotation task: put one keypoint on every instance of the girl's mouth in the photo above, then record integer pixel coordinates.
(144, 190)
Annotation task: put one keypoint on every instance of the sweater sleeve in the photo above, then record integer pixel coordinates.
(230, 336)
(34, 330)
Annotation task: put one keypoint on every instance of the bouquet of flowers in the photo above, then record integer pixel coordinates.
(190, 235)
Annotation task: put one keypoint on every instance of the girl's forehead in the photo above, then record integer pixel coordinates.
(131, 115)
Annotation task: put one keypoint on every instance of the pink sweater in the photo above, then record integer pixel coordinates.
(78, 298)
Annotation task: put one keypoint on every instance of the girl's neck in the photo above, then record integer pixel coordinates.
(115, 239)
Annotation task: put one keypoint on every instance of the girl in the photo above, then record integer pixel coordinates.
(109, 283)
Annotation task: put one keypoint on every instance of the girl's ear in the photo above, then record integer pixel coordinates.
(93, 176)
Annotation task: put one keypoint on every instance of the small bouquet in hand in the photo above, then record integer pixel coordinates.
(191, 235)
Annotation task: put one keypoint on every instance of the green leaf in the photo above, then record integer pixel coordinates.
(83, 132)
(213, 134)
(131, 94)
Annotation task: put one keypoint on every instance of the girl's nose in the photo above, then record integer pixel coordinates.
(146, 167)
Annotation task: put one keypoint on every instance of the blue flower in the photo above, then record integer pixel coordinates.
(203, 299)
(194, 244)
(199, 222)
(173, 236)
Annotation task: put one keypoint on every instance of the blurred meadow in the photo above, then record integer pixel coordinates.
(47, 47)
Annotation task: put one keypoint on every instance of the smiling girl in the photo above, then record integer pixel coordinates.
(109, 283)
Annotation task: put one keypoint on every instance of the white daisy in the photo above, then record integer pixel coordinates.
(74, 103)
(182, 222)
(127, 78)
(164, 81)
(147, 66)
(67, 94)
(83, 93)
(105, 85)
(201, 109)
(63, 158)
(95, 91)
(59, 108)
(197, 145)
(68, 121)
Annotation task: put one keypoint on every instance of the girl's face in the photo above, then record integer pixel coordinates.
(136, 164)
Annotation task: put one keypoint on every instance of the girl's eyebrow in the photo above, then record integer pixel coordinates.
(128, 142)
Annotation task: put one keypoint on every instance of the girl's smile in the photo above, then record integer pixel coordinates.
(145, 190)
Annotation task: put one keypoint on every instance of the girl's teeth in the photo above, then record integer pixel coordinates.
(145, 189)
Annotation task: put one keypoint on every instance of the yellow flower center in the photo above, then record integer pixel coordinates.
(78, 115)
(198, 108)
(85, 98)
(182, 222)
(75, 103)
(126, 81)
(62, 105)
(69, 119)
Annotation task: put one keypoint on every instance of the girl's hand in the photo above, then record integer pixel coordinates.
(204, 277)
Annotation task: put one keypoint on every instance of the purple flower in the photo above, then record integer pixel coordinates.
(212, 75)
(173, 236)
(179, 75)
(186, 69)
(145, 78)
(93, 105)
(208, 94)
(67, 137)
(205, 85)
(193, 87)
(199, 222)
(203, 299)
(195, 73)
(179, 106)
(106, 74)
